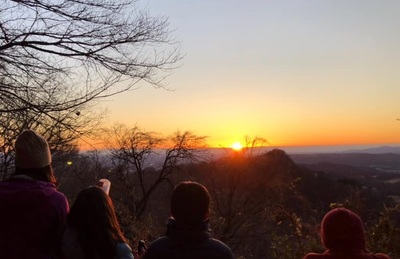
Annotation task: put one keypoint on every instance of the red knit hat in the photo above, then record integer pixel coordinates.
(342, 229)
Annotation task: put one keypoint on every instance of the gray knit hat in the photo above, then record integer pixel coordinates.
(31, 150)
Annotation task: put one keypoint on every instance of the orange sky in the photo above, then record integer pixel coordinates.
(292, 72)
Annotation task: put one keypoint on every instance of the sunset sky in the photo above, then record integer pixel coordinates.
(318, 72)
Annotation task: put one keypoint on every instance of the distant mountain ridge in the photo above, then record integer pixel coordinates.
(384, 162)
(377, 150)
(365, 149)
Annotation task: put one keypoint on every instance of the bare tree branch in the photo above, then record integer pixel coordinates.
(135, 146)
(58, 55)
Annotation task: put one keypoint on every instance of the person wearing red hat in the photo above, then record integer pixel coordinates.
(343, 236)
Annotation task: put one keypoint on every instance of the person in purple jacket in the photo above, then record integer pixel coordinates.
(32, 211)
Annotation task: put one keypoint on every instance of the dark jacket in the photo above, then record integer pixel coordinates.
(32, 219)
(343, 235)
(187, 242)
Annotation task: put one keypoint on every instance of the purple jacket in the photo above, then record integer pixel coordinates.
(32, 219)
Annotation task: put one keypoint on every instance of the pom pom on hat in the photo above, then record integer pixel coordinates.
(31, 151)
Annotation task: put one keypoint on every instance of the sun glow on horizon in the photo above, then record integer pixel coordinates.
(237, 146)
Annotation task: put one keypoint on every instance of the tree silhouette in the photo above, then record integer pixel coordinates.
(58, 55)
(133, 147)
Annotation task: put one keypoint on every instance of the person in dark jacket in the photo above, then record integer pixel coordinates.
(188, 233)
(342, 234)
(32, 211)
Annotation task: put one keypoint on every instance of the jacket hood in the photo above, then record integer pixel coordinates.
(342, 229)
(18, 191)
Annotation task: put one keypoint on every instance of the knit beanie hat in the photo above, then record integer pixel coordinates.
(342, 229)
(31, 151)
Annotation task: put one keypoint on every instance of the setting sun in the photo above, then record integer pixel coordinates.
(237, 146)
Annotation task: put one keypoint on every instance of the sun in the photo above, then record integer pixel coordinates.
(237, 146)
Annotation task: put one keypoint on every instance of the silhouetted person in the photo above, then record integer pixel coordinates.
(342, 234)
(93, 231)
(32, 212)
(188, 233)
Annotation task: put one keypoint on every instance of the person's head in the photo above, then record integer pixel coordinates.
(190, 203)
(33, 157)
(93, 212)
(342, 229)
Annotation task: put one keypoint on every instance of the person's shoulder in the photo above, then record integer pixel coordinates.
(381, 256)
(163, 245)
(222, 248)
(123, 251)
(159, 242)
(59, 201)
(49, 189)
(313, 256)
(54, 197)
(219, 243)
(158, 247)
(56, 194)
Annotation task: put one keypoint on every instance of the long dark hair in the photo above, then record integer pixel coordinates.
(45, 174)
(93, 217)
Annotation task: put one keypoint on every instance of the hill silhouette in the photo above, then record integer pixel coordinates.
(262, 203)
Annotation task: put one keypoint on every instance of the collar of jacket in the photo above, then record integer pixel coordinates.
(194, 232)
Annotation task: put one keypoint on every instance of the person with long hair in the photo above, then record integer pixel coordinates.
(32, 212)
(93, 231)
